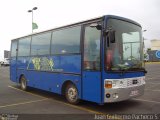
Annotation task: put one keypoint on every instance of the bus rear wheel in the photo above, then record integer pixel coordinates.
(23, 83)
(71, 94)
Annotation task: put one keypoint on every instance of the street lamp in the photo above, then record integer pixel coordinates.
(144, 38)
(35, 8)
(144, 51)
(144, 30)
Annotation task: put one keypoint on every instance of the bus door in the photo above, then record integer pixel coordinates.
(91, 74)
(13, 61)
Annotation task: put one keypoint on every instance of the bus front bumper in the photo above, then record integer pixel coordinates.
(121, 94)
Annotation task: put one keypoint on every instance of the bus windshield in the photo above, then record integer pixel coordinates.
(127, 51)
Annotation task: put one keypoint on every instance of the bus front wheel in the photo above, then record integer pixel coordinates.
(23, 83)
(71, 94)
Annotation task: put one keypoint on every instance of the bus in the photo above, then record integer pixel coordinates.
(98, 60)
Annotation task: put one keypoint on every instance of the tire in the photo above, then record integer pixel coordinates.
(23, 83)
(71, 94)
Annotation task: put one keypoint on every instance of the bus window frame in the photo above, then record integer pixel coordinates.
(101, 45)
(16, 55)
(105, 48)
(29, 46)
(49, 43)
(80, 48)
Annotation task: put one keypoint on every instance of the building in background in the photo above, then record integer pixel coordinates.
(155, 44)
(6, 54)
(153, 55)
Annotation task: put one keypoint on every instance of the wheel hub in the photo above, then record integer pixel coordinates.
(72, 94)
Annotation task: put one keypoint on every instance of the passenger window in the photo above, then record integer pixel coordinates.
(14, 49)
(41, 44)
(24, 46)
(66, 41)
(91, 49)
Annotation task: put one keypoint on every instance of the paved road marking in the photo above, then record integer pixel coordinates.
(153, 83)
(80, 108)
(148, 78)
(151, 87)
(22, 103)
(152, 63)
(74, 106)
(147, 101)
(26, 92)
(153, 78)
(153, 90)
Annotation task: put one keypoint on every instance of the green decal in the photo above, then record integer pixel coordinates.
(43, 64)
(36, 63)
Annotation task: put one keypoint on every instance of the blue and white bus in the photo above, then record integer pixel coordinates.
(99, 60)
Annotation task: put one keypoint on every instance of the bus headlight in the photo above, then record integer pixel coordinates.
(108, 84)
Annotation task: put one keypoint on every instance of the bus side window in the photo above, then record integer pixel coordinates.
(14, 49)
(91, 49)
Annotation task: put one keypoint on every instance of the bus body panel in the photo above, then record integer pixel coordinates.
(124, 92)
(64, 68)
(91, 86)
(23, 62)
(51, 81)
(13, 61)
(71, 64)
(121, 75)
(13, 69)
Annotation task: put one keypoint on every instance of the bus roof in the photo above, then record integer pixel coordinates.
(84, 22)
(122, 18)
(69, 25)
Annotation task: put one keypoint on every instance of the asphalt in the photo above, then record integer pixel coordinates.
(32, 102)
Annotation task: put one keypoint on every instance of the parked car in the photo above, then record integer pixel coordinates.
(5, 62)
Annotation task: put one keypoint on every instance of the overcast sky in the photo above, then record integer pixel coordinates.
(15, 21)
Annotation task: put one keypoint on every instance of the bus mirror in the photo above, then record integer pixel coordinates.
(112, 36)
(96, 25)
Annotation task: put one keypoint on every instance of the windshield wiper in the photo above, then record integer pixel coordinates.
(137, 69)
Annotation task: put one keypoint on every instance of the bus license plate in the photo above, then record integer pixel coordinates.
(134, 93)
(134, 81)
